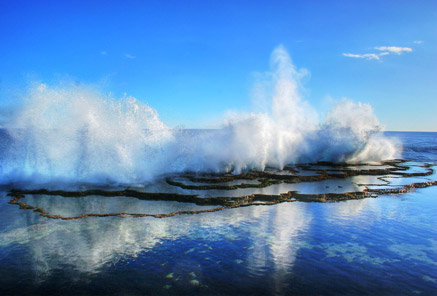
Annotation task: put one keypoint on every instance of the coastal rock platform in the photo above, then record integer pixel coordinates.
(196, 193)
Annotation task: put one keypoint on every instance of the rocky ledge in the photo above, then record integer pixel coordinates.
(322, 171)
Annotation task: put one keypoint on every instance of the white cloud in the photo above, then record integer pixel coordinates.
(394, 49)
(367, 56)
(103, 52)
(129, 56)
(386, 50)
(417, 41)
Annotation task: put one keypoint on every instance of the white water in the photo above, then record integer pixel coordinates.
(77, 135)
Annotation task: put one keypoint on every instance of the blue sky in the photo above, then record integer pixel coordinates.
(194, 60)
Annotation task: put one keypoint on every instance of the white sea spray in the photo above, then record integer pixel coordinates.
(75, 134)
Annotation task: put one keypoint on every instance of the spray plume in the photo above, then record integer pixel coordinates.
(77, 135)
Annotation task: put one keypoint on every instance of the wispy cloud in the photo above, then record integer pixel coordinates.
(394, 49)
(367, 56)
(129, 56)
(386, 50)
(417, 41)
(103, 52)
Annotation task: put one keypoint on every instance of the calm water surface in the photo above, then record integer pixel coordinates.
(385, 245)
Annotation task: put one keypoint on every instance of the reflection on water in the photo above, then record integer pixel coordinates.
(275, 242)
(281, 249)
(348, 210)
(70, 207)
(284, 242)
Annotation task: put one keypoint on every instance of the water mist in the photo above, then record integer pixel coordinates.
(77, 135)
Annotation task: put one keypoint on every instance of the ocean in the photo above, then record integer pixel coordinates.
(371, 246)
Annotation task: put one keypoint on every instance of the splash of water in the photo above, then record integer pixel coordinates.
(74, 134)
(77, 135)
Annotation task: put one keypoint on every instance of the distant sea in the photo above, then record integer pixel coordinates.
(418, 146)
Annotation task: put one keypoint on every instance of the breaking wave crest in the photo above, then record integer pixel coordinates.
(77, 135)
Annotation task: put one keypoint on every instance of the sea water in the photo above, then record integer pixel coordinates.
(385, 245)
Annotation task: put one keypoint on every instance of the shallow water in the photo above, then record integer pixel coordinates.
(385, 245)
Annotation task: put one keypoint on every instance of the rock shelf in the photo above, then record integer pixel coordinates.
(205, 182)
